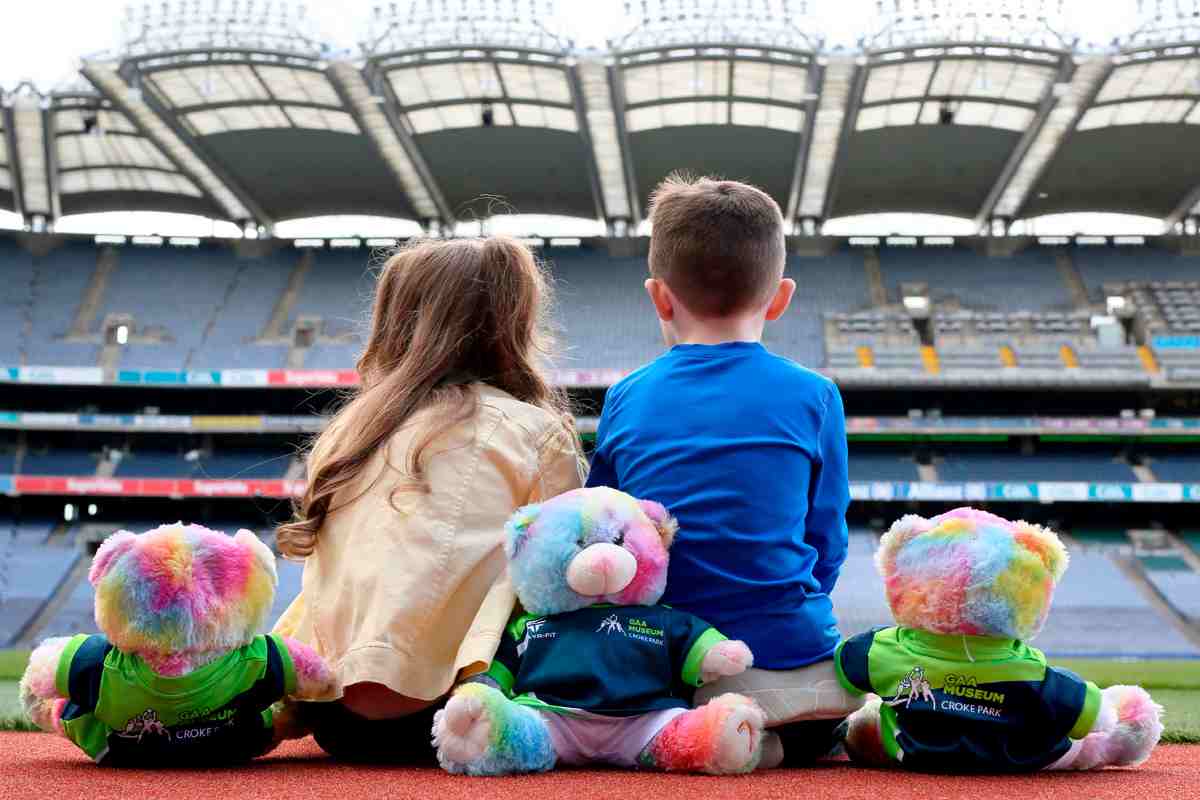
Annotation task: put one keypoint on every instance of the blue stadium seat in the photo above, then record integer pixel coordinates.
(977, 281)
(59, 462)
(984, 465)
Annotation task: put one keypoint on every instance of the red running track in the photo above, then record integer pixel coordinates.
(36, 766)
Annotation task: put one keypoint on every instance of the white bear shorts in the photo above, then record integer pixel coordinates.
(582, 737)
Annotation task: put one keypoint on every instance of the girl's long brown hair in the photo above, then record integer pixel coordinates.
(446, 314)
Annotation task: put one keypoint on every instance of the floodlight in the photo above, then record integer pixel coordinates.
(122, 334)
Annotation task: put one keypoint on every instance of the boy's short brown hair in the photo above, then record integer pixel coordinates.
(717, 244)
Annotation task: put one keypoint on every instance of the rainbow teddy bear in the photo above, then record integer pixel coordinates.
(959, 689)
(592, 669)
(180, 676)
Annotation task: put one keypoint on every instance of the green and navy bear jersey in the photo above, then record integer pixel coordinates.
(967, 704)
(616, 661)
(121, 713)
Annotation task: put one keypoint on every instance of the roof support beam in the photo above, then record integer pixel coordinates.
(841, 91)
(392, 142)
(815, 74)
(595, 107)
(178, 146)
(1057, 117)
(32, 174)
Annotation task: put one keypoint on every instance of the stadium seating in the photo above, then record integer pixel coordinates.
(1178, 582)
(16, 300)
(870, 464)
(59, 462)
(982, 464)
(1097, 611)
(242, 317)
(29, 571)
(58, 282)
(1098, 266)
(1027, 281)
(1176, 468)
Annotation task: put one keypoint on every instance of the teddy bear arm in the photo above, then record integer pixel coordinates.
(725, 659)
(314, 679)
(40, 698)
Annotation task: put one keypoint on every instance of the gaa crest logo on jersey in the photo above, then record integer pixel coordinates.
(145, 723)
(611, 624)
(914, 686)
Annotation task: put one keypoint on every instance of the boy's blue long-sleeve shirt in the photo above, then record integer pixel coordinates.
(748, 450)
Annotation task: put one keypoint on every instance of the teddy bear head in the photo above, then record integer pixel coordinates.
(181, 592)
(588, 546)
(970, 572)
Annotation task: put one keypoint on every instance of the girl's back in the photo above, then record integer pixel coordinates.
(408, 583)
(453, 428)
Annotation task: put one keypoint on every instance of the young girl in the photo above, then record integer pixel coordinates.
(454, 427)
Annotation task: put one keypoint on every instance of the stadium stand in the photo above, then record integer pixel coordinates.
(1176, 467)
(172, 295)
(59, 461)
(230, 338)
(602, 316)
(858, 597)
(1026, 281)
(16, 301)
(76, 615)
(29, 571)
(1178, 582)
(981, 463)
(1097, 608)
(58, 282)
(881, 464)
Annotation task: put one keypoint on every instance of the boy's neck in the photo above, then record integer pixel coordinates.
(717, 331)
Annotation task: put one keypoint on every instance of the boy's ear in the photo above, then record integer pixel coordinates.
(782, 299)
(664, 304)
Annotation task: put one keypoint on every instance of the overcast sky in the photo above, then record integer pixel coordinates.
(45, 39)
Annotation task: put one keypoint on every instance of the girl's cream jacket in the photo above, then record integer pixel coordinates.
(409, 589)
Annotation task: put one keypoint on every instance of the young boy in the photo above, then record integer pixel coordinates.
(747, 449)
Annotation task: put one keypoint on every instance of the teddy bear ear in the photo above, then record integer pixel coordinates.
(901, 532)
(517, 528)
(110, 550)
(262, 554)
(662, 519)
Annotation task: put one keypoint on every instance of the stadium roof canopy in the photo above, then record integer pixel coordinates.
(985, 109)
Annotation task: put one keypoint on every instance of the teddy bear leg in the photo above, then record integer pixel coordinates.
(721, 737)
(39, 694)
(482, 732)
(1127, 729)
(1138, 728)
(864, 736)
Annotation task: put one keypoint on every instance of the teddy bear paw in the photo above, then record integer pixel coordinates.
(726, 659)
(740, 745)
(461, 731)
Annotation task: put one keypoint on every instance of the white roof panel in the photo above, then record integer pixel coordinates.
(90, 150)
(299, 85)
(106, 179)
(524, 81)
(653, 82)
(321, 119)
(907, 79)
(219, 83)
(237, 118)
